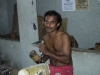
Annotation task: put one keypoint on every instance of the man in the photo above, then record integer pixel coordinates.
(57, 46)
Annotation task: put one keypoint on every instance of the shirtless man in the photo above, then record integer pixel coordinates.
(57, 46)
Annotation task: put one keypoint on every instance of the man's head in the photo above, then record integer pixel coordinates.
(53, 13)
(52, 20)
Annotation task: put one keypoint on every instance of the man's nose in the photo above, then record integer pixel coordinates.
(48, 24)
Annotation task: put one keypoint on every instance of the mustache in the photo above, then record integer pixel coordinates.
(48, 27)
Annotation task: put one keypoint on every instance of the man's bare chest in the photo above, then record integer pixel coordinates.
(54, 44)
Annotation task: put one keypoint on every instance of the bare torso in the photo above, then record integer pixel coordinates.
(55, 45)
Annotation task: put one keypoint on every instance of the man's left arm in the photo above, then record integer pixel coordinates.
(65, 57)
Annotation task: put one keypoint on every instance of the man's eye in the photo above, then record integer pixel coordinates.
(46, 21)
(52, 22)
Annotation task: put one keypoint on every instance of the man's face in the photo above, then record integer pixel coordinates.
(51, 23)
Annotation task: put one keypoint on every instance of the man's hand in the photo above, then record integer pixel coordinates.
(43, 49)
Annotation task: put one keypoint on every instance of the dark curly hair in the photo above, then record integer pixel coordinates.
(54, 13)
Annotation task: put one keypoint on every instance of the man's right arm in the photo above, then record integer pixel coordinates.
(44, 59)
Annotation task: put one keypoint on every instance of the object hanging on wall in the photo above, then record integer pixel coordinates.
(32, 2)
(34, 26)
(82, 4)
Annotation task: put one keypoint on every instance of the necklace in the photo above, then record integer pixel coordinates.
(54, 36)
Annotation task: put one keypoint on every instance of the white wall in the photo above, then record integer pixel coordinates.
(86, 62)
(84, 25)
(27, 15)
(11, 52)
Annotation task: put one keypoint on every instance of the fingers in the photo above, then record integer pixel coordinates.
(41, 49)
(41, 45)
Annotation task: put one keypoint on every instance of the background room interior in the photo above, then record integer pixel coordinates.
(17, 32)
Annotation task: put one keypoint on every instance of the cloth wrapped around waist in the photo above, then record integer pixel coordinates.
(61, 70)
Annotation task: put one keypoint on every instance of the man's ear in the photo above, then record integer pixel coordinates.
(58, 24)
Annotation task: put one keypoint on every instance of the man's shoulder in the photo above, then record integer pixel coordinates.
(45, 36)
(62, 34)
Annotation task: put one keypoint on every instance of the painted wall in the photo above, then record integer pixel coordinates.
(11, 52)
(85, 62)
(3, 17)
(84, 25)
(10, 12)
(6, 16)
(27, 17)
